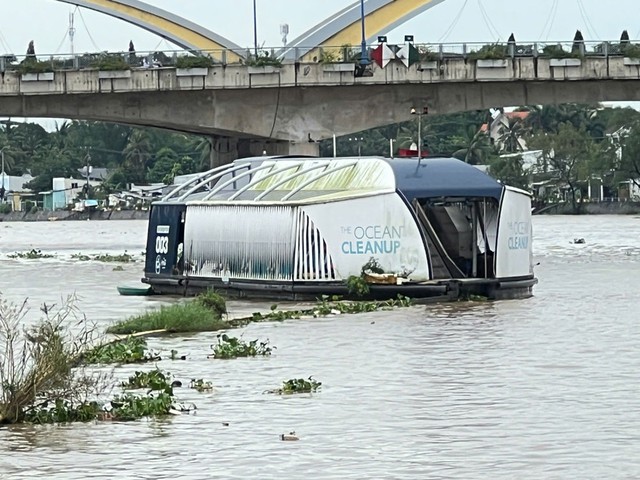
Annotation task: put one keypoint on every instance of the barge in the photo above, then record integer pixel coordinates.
(299, 228)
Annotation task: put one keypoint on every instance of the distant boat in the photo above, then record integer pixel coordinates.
(135, 291)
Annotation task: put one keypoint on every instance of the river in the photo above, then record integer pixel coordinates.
(541, 388)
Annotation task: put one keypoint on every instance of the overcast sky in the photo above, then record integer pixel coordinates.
(46, 22)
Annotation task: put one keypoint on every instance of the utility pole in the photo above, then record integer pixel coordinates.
(2, 187)
(425, 111)
(255, 30)
(88, 172)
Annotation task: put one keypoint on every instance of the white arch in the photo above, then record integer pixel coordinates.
(172, 27)
(333, 25)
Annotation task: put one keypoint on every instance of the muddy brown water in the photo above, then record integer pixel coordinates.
(546, 387)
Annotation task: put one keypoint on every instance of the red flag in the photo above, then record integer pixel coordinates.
(382, 55)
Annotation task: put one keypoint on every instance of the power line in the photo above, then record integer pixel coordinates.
(88, 32)
(550, 19)
(4, 43)
(454, 23)
(66, 34)
(587, 21)
(493, 31)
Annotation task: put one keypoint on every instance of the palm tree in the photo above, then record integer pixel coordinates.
(511, 135)
(137, 153)
(475, 147)
(204, 147)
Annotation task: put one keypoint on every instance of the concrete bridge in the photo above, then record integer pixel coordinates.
(286, 108)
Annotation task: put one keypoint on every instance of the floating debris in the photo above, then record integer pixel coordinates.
(289, 437)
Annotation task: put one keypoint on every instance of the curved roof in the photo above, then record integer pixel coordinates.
(442, 177)
(300, 179)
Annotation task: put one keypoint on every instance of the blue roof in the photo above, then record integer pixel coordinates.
(442, 177)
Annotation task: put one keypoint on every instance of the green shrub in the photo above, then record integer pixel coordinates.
(110, 62)
(214, 301)
(190, 61)
(631, 50)
(426, 54)
(490, 52)
(191, 316)
(264, 58)
(357, 286)
(32, 65)
(5, 208)
(556, 51)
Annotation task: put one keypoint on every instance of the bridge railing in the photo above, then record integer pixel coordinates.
(325, 54)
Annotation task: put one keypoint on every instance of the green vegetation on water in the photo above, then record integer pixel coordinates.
(105, 257)
(153, 380)
(33, 254)
(232, 347)
(203, 314)
(129, 350)
(297, 385)
(327, 306)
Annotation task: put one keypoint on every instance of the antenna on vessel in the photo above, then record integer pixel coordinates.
(72, 29)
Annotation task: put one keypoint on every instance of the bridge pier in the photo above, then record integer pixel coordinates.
(225, 150)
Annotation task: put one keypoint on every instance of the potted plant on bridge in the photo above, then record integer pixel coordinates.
(32, 70)
(337, 59)
(490, 56)
(559, 57)
(263, 62)
(193, 65)
(111, 65)
(428, 58)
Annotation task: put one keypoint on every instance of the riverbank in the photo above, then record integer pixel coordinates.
(592, 208)
(44, 216)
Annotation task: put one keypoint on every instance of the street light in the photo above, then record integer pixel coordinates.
(425, 111)
(87, 159)
(255, 29)
(2, 187)
(359, 140)
(361, 67)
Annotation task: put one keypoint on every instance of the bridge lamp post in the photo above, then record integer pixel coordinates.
(364, 58)
(255, 30)
(425, 111)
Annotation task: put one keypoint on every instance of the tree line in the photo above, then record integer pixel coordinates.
(575, 142)
(132, 155)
